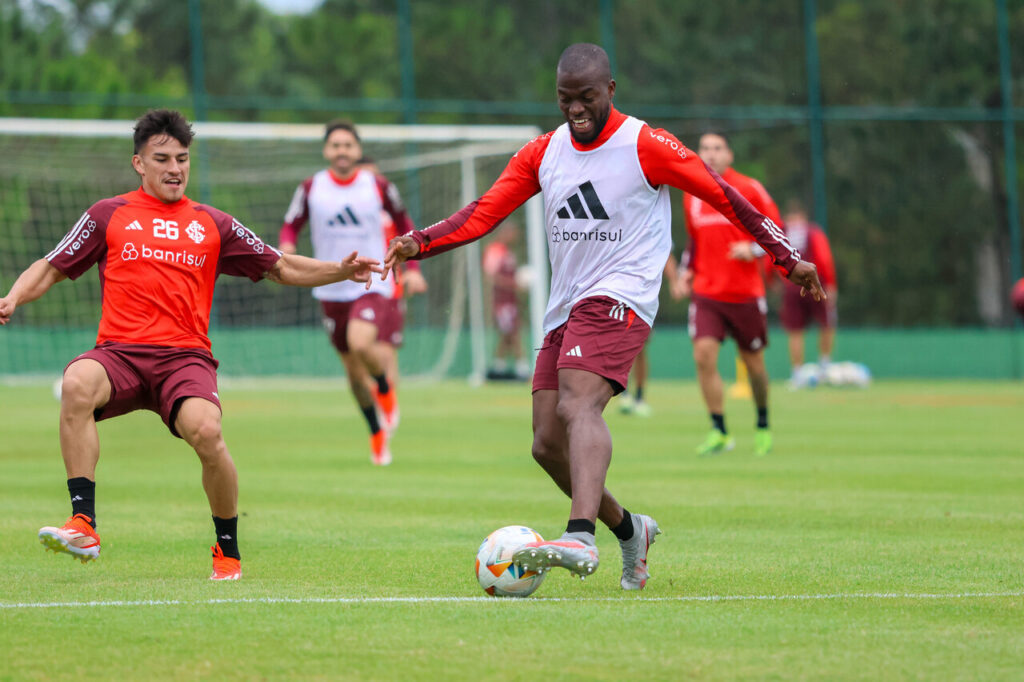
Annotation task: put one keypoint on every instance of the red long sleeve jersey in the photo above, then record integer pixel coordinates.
(660, 160)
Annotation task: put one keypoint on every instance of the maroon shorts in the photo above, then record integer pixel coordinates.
(372, 308)
(155, 378)
(745, 322)
(506, 318)
(394, 335)
(601, 336)
(798, 311)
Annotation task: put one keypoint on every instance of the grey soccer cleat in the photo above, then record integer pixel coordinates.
(565, 552)
(634, 552)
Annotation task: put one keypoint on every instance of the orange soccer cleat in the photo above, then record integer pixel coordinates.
(387, 405)
(76, 537)
(380, 453)
(224, 567)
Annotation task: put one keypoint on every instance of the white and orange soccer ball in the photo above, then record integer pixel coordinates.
(494, 568)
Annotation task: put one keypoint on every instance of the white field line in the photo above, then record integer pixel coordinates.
(541, 600)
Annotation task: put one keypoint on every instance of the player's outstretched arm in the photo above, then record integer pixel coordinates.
(30, 285)
(805, 275)
(401, 249)
(300, 271)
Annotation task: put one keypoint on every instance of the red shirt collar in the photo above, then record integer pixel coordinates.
(343, 181)
(144, 197)
(615, 120)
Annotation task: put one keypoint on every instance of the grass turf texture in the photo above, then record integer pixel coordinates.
(905, 488)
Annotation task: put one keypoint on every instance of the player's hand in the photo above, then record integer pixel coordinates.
(6, 310)
(682, 287)
(401, 249)
(805, 275)
(359, 268)
(414, 282)
(741, 250)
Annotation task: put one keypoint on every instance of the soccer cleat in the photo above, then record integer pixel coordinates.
(634, 552)
(387, 406)
(626, 403)
(567, 553)
(380, 453)
(76, 537)
(642, 409)
(762, 442)
(224, 567)
(715, 443)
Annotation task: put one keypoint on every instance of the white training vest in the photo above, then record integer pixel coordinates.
(609, 231)
(343, 219)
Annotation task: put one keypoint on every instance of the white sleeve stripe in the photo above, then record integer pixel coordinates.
(298, 205)
(69, 237)
(774, 231)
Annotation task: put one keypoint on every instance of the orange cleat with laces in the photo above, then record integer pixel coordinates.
(76, 537)
(380, 453)
(224, 567)
(387, 405)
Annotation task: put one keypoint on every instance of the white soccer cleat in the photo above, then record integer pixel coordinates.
(634, 552)
(575, 556)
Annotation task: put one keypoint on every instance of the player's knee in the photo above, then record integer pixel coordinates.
(571, 408)
(77, 392)
(204, 435)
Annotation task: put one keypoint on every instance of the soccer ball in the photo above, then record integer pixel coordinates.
(494, 568)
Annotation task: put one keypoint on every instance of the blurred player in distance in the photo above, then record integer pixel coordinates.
(605, 178)
(159, 255)
(408, 282)
(501, 267)
(343, 205)
(723, 276)
(1017, 297)
(799, 311)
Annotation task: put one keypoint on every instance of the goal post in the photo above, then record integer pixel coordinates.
(52, 170)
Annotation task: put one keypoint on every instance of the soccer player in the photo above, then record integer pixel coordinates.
(798, 311)
(500, 266)
(605, 178)
(343, 205)
(724, 279)
(159, 255)
(408, 282)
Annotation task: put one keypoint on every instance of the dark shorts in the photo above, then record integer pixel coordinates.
(601, 336)
(506, 318)
(372, 308)
(155, 378)
(745, 322)
(799, 311)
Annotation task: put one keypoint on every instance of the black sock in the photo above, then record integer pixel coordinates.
(370, 413)
(581, 526)
(382, 384)
(639, 394)
(83, 497)
(762, 417)
(718, 421)
(624, 531)
(227, 536)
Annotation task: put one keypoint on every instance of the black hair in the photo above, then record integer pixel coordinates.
(162, 122)
(582, 57)
(341, 124)
(719, 132)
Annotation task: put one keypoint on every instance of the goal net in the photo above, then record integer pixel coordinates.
(53, 170)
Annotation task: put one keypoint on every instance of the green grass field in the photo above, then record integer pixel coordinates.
(882, 540)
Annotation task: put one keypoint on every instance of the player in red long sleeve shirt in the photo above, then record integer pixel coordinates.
(605, 179)
(159, 255)
(798, 311)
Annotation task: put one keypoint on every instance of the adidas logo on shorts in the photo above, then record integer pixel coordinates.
(575, 352)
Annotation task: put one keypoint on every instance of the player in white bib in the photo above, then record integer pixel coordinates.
(605, 178)
(345, 207)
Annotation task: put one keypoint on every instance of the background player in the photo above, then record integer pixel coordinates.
(798, 311)
(409, 281)
(159, 255)
(343, 205)
(500, 265)
(605, 177)
(724, 278)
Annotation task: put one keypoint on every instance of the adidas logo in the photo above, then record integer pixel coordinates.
(225, 537)
(575, 352)
(344, 217)
(76, 498)
(133, 225)
(574, 205)
(618, 311)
